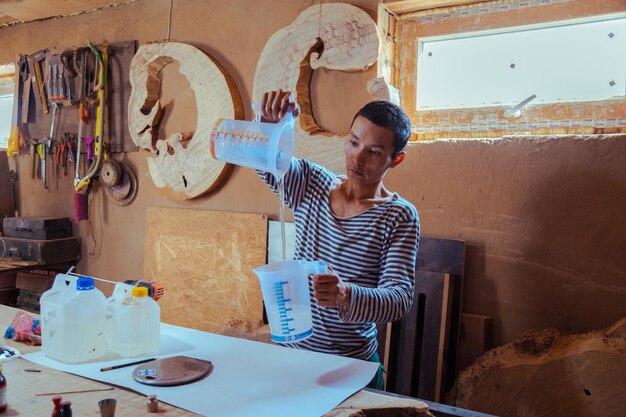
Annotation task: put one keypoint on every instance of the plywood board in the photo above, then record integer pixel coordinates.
(420, 350)
(205, 260)
(475, 338)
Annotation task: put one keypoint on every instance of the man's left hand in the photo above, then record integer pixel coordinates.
(330, 290)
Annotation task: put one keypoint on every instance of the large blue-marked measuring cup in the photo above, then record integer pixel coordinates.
(254, 144)
(285, 288)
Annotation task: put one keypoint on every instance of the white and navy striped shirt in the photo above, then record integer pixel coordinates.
(374, 252)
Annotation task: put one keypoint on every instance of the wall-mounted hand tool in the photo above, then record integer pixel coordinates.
(34, 61)
(70, 72)
(88, 141)
(13, 145)
(61, 155)
(33, 155)
(102, 59)
(41, 151)
(71, 149)
(55, 78)
(47, 144)
(26, 83)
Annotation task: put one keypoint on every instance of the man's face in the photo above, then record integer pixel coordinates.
(368, 150)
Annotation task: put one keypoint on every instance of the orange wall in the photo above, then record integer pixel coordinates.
(544, 219)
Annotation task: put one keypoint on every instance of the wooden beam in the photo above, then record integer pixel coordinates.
(410, 6)
(28, 10)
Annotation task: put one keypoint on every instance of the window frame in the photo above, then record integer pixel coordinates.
(7, 89)
(541, 119)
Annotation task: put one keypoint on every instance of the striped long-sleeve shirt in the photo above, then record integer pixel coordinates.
(374, 252)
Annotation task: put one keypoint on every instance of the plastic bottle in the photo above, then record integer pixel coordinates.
(134, 323)
(3, 391)
(56, 412)
(73, 320)
(66, 408)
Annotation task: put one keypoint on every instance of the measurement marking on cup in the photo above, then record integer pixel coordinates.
(283, 309)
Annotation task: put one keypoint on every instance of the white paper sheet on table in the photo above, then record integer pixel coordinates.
(249, 378)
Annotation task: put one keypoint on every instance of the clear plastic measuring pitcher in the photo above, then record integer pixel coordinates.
(285, 288)
(254, 144)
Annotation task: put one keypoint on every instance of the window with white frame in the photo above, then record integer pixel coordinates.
(7, 82)
(506, 67)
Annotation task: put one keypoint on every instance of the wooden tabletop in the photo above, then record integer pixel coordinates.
(25, 389)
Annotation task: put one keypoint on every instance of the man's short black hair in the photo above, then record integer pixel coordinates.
(388, 115)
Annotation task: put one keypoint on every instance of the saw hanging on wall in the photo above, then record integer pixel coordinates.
(83, 184)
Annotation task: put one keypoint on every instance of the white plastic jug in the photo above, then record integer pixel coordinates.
(285, 288)
(254, 144)
(73, 320)
(133, 321)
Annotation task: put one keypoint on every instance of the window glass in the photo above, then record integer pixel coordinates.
(6, 108)
(7, 86)
(558, 62)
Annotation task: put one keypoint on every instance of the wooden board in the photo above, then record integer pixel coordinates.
(411, 6)
(419, 341)
(421, 349)
(26, 10)
(205, 260)
(181, 165)
(476, 338)
(335, 36)
(367, 403)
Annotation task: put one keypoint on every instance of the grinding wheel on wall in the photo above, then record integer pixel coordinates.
(110, 173)
(125, 191)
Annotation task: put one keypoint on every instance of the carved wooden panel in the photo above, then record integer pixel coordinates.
(336, 36)
(181, 164)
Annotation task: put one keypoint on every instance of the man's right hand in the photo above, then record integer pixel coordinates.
(276, 104)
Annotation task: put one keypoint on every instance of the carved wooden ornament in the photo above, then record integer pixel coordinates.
(348, 40)
(181, 165)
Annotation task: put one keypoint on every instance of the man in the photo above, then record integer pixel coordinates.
(367, 234)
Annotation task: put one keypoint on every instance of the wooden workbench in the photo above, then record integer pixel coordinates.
(25, 389)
